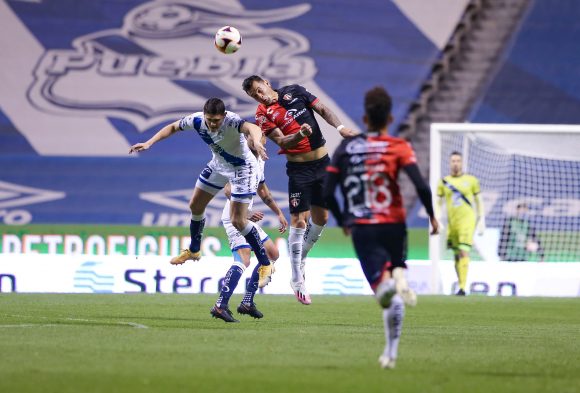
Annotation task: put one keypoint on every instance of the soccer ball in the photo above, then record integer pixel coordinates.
(228, 39)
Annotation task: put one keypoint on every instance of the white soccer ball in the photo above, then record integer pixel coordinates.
(532, 246)
(228, 39)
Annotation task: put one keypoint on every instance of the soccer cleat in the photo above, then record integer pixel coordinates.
(186, 255)
(402, 287)
(265, 272)
(222, 313)
(300, 292)
(385, 292)
(461, 292)
(250, 309)
(386, 362)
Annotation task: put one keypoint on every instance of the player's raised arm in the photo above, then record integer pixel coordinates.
(254, 135)
(330, 117)
(289, 141)
(163, 133)
(424, 192)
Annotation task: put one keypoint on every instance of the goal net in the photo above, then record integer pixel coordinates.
(530, 188)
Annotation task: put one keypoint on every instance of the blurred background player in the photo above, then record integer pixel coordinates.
(367, 167)
(232, 161)
(464, 213)
(519, 241)
(286, 116)
(241, 251)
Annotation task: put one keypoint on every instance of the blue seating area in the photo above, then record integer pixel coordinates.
(86, 79)
(537, 81)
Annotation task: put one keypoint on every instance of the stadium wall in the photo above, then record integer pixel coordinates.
(328, 276)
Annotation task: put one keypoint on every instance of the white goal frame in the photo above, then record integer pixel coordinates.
(435, 167)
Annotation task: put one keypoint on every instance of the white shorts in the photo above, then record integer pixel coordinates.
(236, 239)
(244, 179)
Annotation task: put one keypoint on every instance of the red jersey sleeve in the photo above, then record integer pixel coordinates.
(406, 154)
(263, 121)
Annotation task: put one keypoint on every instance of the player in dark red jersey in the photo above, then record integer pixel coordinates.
(367, 167)
(286, 116)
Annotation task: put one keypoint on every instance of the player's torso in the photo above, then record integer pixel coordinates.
(228, 144)
(458, 192)
(369, 172)
(288, 114)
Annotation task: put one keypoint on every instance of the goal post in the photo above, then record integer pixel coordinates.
(530, 187)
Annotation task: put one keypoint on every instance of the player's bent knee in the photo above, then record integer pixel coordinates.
(271, 251)
(239, 223)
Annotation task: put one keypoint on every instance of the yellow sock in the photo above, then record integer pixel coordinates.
(461, 267)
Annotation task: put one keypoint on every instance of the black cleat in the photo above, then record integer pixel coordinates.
(250, 309)
(461, 292)
(223, 313)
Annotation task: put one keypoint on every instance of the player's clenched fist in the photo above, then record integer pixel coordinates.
(305, 130)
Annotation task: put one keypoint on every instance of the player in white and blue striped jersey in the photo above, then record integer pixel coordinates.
(232, 162)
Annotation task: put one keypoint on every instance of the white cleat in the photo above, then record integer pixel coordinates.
(385, 292)
(300, 292)
(402, 287)
(386, 362)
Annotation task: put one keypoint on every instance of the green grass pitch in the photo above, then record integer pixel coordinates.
(169, 343)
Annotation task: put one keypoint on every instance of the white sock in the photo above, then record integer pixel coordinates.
(394, 318)
(311, 236)
(386, 327)
(295, 238)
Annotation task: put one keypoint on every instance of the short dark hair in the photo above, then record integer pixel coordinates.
(249, 81)
(214, 106)
(378, 106)
(455, 153)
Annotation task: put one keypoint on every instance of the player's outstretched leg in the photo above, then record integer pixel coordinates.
(221, 309)
(311, 236)
(193, 252)
(295, 241)
(250, 233)
(247, 306)
(393, 325)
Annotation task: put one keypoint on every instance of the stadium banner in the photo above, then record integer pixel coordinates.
(163, 241)
(328, 276)
(561, 279)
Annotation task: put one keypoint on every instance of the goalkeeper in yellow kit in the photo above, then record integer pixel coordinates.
(464, 213)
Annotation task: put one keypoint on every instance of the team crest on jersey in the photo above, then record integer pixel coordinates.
(287, 96)
(161, 63)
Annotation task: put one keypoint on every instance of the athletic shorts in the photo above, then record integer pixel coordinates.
(306, 184)
(243, 179)
(380, 247)
(460, 237)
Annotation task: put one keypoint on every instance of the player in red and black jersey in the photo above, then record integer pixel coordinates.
(367, 168)
(286, 116)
